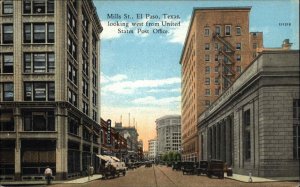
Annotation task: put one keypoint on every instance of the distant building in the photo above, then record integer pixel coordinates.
(168, 130)
(131, 135)
(152, 147)
(217, 48)
(254, 125)
(112, 142)
(140, 150)
(49, 88)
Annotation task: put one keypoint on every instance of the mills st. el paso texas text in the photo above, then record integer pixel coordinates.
(143, 23)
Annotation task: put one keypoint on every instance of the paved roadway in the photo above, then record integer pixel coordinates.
(162, 176)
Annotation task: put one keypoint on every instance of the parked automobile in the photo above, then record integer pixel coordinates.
(188, 168)
(202, 167)
(112, 166)
(215, 168)
(148, 164)
(176, 166)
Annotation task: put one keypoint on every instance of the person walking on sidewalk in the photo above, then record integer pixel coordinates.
(48, 175)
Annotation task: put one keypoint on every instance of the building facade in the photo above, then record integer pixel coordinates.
(254, 125)
(217, 48)
(112, 142)
(49, 82)
(168, 131)
(152, 148)
(131, 135)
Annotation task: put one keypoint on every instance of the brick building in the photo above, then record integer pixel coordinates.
(254, 125)
(49, 82)
(217, 48)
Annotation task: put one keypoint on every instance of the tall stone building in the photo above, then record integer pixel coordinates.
(152, 147)
(217, 48)
(49, 82)
(168, 130)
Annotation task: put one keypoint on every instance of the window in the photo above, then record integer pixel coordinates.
(8, 7)
(296, 128)
(7, 33)
(206, 47)
(8, 91)
(238, 58)
(85, 22)
(72, 97)
(72, 21)
(94, 98)
(72, 47)
(227, 30)
(8, 63)
(254, 54)
(27, 6)
(206, 32)
(218, 30)
(216, 69)
(72, 73)
(85, 88)
(85, 108)
(254, 45)
(94, 62)
(207, 103)
(85, 65)
(207, 92)
(39, 62)
(207, 81)
(238, 69)
(217, 92)
(247, 134)
(73, 125)
(238, 31)
(216, 58)
(94, 80)
(217, 81)
(39, 91)
(238, 46)
(39, 121)
(39, 34)
(85, 44)
(7, 120)
(216, 46)
(50, 6)
(207, 69)
(39, 6)
(207, 59)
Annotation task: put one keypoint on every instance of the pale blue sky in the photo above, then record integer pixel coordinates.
(140, 74)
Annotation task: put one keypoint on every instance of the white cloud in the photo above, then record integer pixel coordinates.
(164, 90)
(116, 78)
(150, 100)
(178, 34)
(129, 87)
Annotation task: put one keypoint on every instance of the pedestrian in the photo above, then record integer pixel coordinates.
(91, 170)
(48, 175)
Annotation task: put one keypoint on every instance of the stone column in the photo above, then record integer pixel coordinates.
(218, 141)
(213, 155)
(18, 128)
(228, 137)
(223, 141)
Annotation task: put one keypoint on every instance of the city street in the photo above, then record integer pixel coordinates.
(162, 176)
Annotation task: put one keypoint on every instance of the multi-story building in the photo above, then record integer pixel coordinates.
(168, 131)
(217, 48)
(49, 88)
(152, 148)
(131, 136)
(255, 125)
(112, 142)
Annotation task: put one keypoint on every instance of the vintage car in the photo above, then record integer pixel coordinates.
(215, 168)
(201, 167)
(112, 166)
(188, 168)
(176, 166)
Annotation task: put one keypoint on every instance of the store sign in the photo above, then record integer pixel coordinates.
(108, 137)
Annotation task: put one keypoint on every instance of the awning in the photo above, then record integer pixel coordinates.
(106, 158)
(115, 158)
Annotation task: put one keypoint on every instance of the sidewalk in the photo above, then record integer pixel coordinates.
(74, 181)
(245, 178)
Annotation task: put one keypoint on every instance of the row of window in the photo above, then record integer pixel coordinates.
(207, 47)
(227, 30)
(207, 69)
(38, 32)
(39, 91)
(6, 63)
(208, 93)
(238, 58)
(38, 6)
